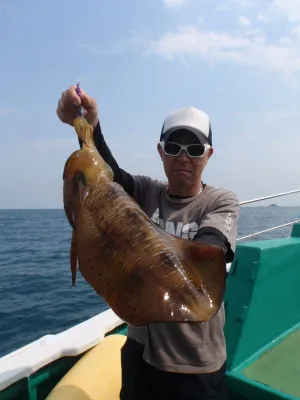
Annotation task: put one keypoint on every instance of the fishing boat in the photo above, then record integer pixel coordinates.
(262, 330)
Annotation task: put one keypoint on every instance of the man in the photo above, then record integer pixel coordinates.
(176, 360)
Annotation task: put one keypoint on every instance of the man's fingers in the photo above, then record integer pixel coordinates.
(60, 104)
(87, 101)
(64, 115)
(72, 97)
(67, 108)
(61, 115)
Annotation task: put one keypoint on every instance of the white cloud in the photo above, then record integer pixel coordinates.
(290, 8)
(244, 21)
(174, 3)
(285, 40)
(223, 7)
(272, 9)
(296, 31)
(244, 3)
(268, 10)
(263, 18)
(253, 32)
(225, 47)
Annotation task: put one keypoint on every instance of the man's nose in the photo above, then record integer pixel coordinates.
(183, 155)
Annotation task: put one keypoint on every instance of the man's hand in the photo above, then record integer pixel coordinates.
(70, 101)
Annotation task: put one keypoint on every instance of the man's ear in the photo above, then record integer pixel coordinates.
(209, 154)
(160, 151)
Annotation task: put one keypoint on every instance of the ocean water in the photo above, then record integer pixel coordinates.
(36, 294)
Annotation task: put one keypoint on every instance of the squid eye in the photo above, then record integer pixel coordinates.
(80, 180)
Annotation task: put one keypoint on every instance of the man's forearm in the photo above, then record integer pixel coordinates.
(213, 236)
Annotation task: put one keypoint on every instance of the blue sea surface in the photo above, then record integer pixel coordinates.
(36, 292)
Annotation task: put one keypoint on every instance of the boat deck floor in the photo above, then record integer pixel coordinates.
(279, 367)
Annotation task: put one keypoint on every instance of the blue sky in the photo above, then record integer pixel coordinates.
(238, 60)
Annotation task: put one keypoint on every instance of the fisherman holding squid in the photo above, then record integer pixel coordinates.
(178, 360)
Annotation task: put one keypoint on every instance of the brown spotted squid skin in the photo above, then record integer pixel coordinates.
(143, 273)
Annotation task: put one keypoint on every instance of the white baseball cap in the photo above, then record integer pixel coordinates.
(189, 119)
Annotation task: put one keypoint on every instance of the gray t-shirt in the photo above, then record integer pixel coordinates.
(186, 347)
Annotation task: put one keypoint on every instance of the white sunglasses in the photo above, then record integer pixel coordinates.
(192, 150)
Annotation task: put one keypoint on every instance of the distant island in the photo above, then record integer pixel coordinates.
(273, 205)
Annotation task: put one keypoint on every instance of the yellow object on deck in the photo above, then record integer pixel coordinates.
(96, 376)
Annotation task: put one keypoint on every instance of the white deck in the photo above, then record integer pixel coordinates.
(76, 340)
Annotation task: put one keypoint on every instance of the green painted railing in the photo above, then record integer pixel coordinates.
(262, 304)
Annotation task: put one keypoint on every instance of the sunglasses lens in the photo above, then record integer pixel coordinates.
(172, 148)
(195, 150)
